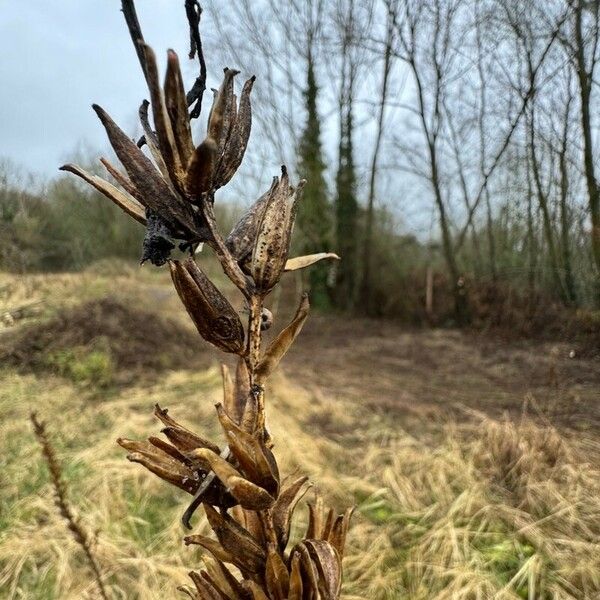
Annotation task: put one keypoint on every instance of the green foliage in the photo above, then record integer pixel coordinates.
(84, 366)
(65, 228)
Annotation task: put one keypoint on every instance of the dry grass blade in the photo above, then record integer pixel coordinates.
(80, 535)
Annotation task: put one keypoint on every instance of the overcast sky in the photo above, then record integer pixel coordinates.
(60, 56)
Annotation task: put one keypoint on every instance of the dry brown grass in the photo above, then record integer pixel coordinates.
(486, 508)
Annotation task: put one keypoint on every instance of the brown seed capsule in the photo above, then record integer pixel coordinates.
(219, 119)
(249, 555)
(274, 234)
(215, 319)
(248, 494)
(296, 586)
(162, 122)
(277, 576)
(176, 104)
(238, 137)
(284, 508)
(200, 170)
(328, 566)
(240, 241)
(255, 460)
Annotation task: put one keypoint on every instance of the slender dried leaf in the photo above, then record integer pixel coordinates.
(123, 200)
(281, 344)
(301, 262)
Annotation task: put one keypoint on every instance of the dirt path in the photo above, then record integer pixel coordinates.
(418, 376)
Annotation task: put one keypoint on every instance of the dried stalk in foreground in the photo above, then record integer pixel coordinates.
(80, 535)
(248, 505)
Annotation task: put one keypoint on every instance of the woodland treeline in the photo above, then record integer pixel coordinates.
(450, 149)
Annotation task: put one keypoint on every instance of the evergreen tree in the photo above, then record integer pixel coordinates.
(346, 213)
(314, 214)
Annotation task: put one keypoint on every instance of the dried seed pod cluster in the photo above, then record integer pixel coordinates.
(171, 191)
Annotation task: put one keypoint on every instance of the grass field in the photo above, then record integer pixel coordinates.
(474, 463)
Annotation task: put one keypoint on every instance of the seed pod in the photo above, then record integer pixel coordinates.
(238, 542)
(183, 438)
(237, 141)
(277, 577)
(162, 122)
(160, 463)
(328, 566)
(255, 460)
(225, 580)
(157, 194)
(248, 494)
(205, 587)
(211, 545)
(296, 587)
(274, 234)
(240, 241)
(215, 319)
(200, 170)
(176, 104)
(221, 105)
(283, 509)
(337, 537)
(256, 590)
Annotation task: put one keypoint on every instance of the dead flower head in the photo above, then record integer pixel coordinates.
(165, 190)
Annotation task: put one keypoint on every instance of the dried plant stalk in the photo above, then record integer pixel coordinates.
(248, 506)
(80, 535)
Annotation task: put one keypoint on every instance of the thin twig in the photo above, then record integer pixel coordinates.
(193, 10)
(135, 31)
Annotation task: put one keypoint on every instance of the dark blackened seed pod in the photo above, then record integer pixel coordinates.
(214, 317)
